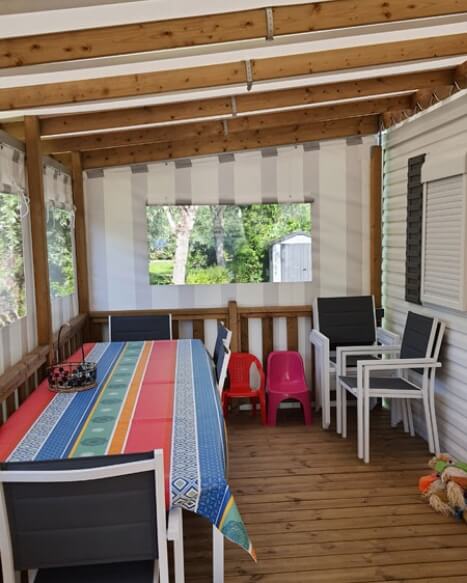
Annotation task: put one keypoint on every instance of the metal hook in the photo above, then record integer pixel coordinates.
(249, 75)
(269, 24)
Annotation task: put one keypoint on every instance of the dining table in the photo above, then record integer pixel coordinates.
(149, 395)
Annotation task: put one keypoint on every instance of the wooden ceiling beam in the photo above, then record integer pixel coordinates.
(226, 74)
(214, 28)
(235, 142)
(120, 118)
(460, 76)
(220, 127)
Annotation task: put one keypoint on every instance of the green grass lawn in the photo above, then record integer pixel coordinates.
(160, 271)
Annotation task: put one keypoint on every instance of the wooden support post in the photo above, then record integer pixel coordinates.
(80, 233)
(38, 230)
(376, 168)
(234, 326)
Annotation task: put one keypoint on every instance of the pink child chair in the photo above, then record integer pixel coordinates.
(286, 380)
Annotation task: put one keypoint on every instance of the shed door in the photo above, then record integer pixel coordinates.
(296, 262)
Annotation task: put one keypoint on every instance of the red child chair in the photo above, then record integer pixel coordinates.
(240, 384)
(286, 380)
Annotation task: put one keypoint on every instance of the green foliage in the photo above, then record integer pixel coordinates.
(12, 282)
(213, 274)
(60, 252)
(160, 271)
(247, 234)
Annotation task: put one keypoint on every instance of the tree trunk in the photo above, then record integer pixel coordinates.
(183, 229)
(218, 222)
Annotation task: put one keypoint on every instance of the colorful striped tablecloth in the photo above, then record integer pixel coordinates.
(150, 395)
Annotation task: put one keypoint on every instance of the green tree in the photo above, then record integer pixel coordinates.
(12, 281)
(60, 252)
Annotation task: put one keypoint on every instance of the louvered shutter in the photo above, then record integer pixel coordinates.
(444, 240)
(413, 251)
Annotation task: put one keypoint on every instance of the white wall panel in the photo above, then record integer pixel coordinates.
(437, 132)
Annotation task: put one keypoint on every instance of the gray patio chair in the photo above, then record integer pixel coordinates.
(341, 321)
(97, 519)
(415, 370)
(139, 328)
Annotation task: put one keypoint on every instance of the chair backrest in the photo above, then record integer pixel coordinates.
(240, 369)
(421, 336)
(223, 335)
(138, 328)
(222, 366)
(285, 366)
(346, 321)
(83, 511)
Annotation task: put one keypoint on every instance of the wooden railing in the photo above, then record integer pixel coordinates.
(20, 380)
(252, 328)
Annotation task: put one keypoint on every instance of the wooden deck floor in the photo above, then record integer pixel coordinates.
(317, 514)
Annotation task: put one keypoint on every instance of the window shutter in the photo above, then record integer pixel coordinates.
(444, 239)
(413, 265)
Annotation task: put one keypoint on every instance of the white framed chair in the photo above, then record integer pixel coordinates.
(224, 335)
(414, 378)
(341, 321)
(222, 366)
(85, 520)
(140, 328)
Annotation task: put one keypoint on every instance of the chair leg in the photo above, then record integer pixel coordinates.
(366, 438)
(360, 424)
(306, 404)
(428, 422)
(225, 406)
(404, 415)
(272, 411)
(434, 423)
(262, 408)
(410, 418)
(176, 514)
(338, 407)
(344, 413)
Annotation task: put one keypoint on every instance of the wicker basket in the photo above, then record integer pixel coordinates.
(71, 377)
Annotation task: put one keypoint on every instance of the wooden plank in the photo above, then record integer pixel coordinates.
(292, 333)
(363, 528)
(376, 161)
(225, 74)
(97, 141)
(236, 142)
(120, 118)
(267, 329)
(213, 28)
(198, 329)
(80, 233)
(38, 230)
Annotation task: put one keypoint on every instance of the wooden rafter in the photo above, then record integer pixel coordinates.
(247, 103)
(227, 74)
(221, 127)
(218, 28)
(239, 141)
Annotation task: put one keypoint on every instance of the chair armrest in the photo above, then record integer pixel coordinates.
(398, 363)
(373, 349)
(342, 352)
(385, 337)
(317, 338)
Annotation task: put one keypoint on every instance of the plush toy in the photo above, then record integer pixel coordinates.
(446, 491)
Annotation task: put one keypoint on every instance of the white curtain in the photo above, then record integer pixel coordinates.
(57, 188)
(12, 175)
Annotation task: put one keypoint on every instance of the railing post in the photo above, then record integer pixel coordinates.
(234, 325)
